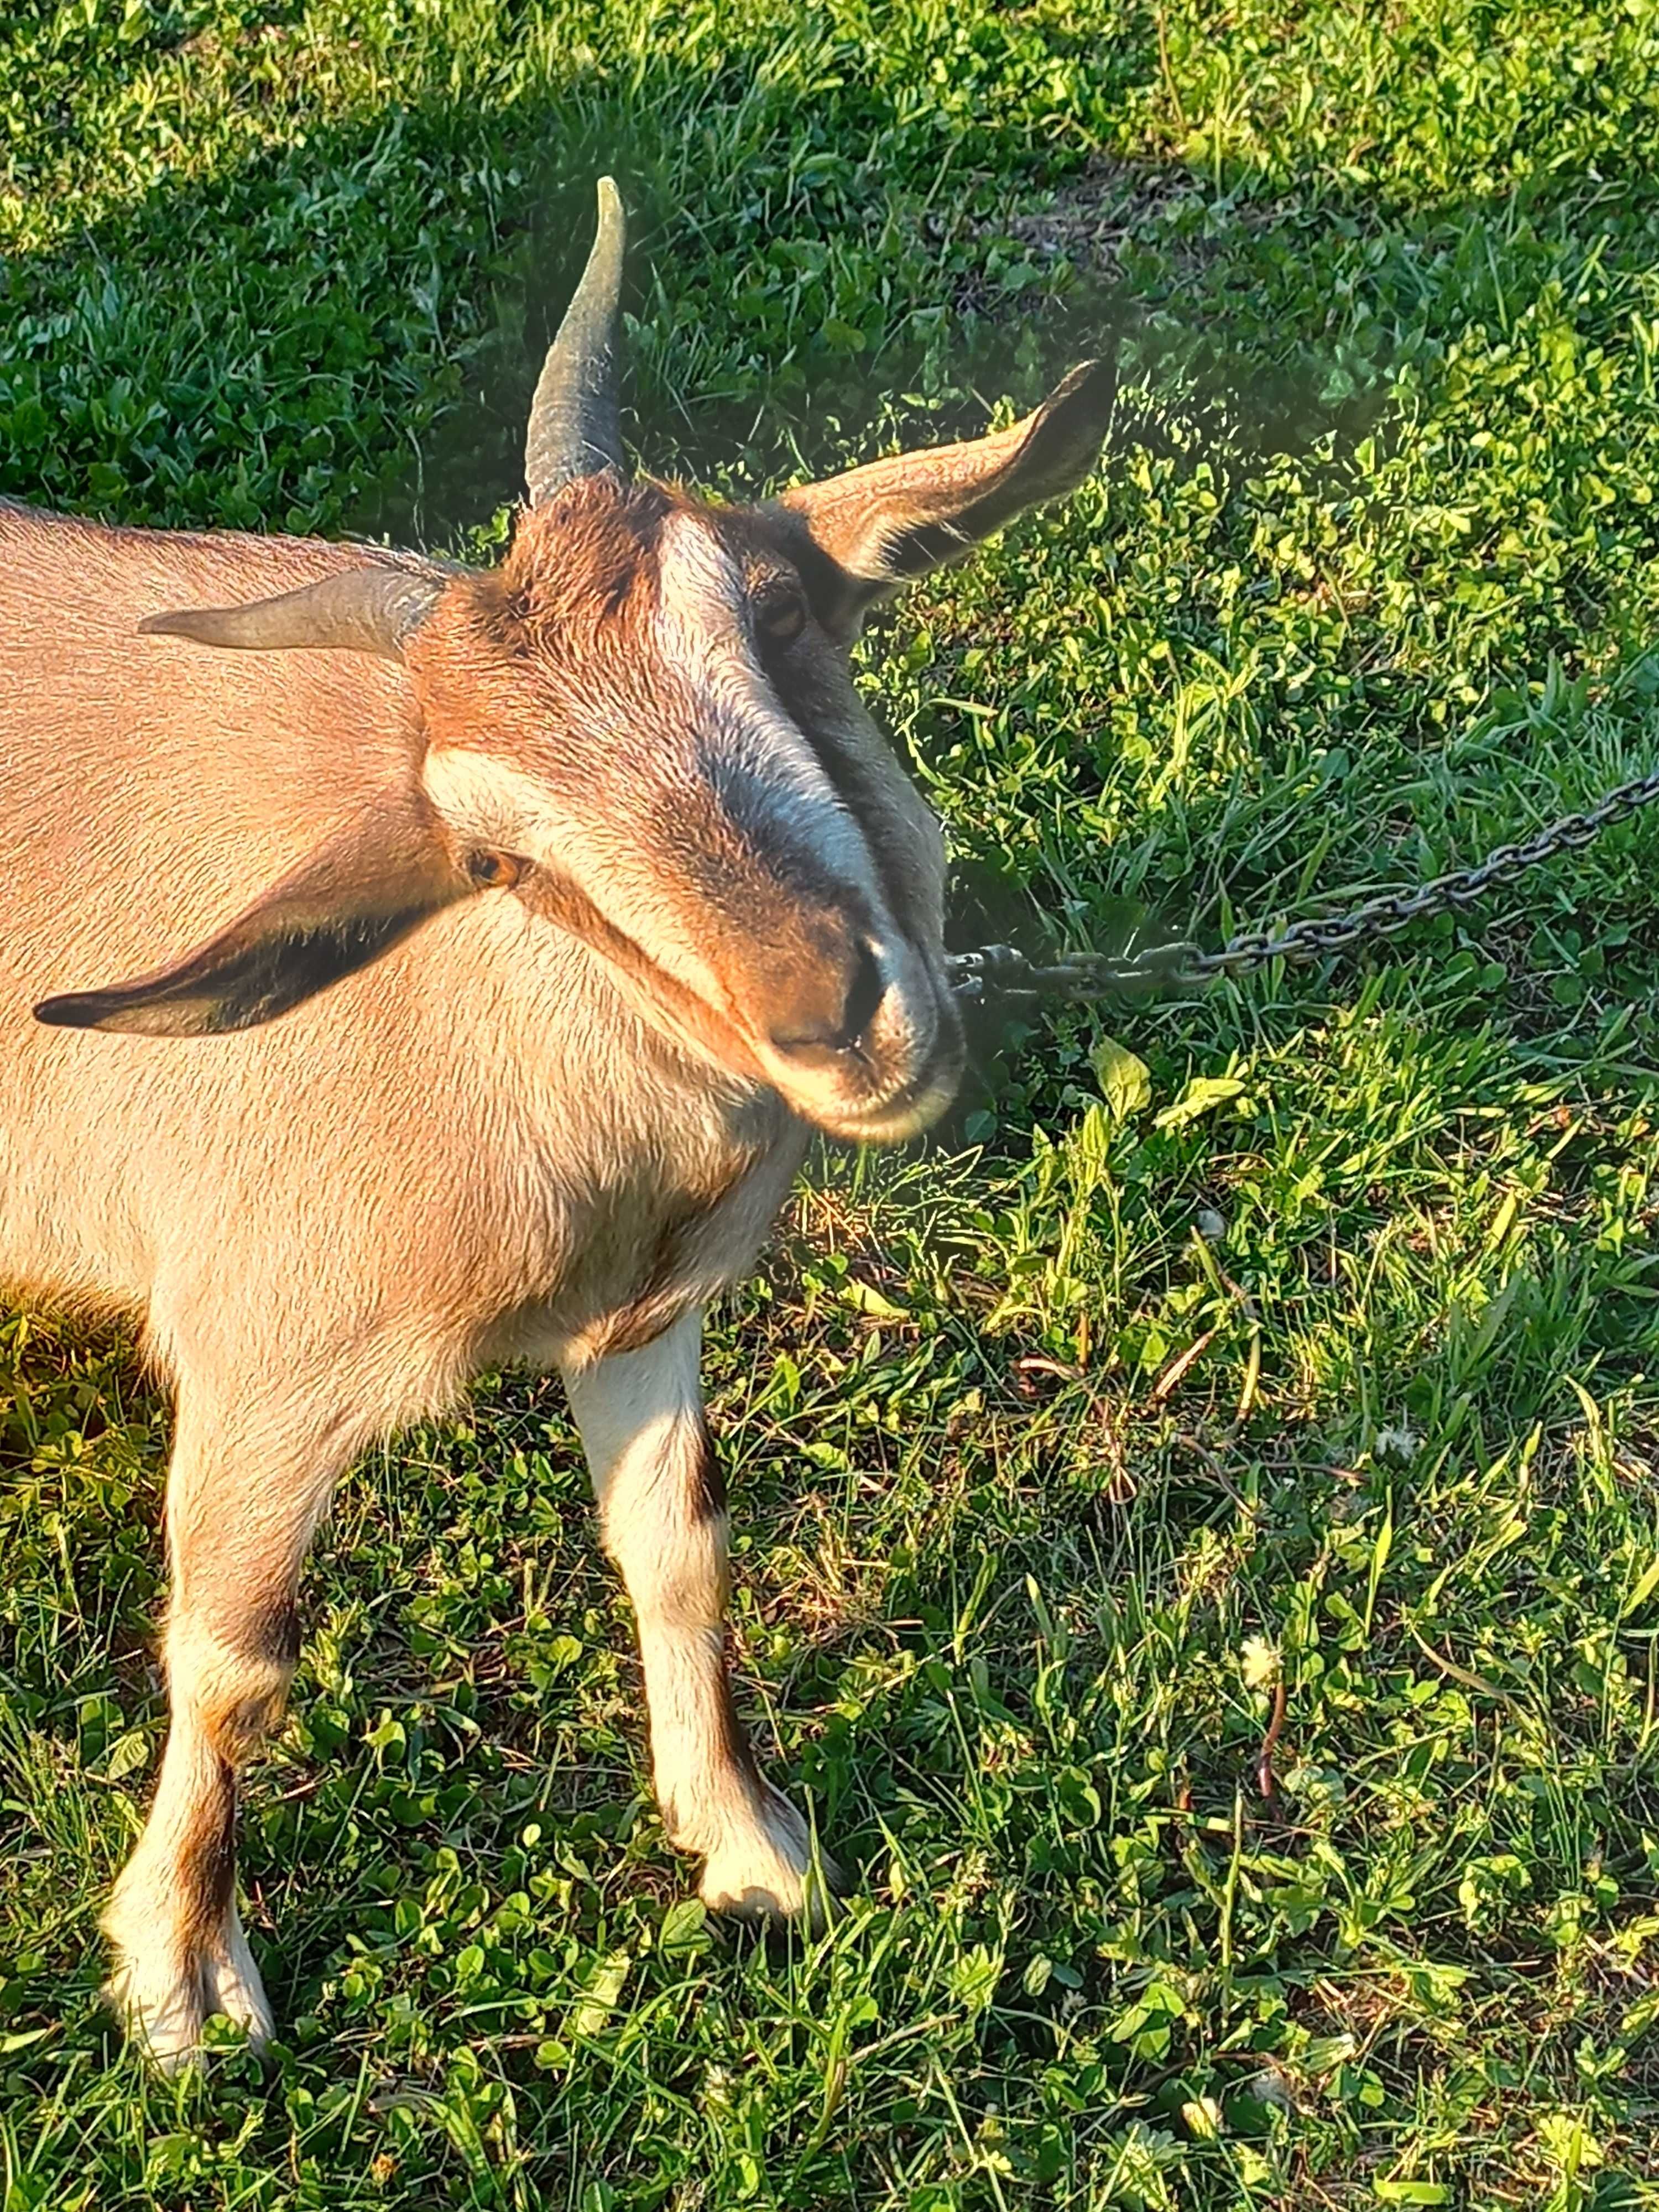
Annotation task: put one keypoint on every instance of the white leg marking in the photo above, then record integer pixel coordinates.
(180, 1952)
(764, 1868)
(663, 1514)
(244, 1496)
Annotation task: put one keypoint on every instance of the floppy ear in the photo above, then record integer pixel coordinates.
(345, 904)
(878, 526)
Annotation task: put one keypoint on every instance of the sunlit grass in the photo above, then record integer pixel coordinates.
(1320, 1356)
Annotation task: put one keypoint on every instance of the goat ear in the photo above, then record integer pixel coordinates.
(344, 906)
(374, 609)
(894, 519)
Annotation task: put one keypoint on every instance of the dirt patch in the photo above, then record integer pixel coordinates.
(1090, 222)
(1096, 217)
(1106, 207)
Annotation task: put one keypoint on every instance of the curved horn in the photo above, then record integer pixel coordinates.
(374, 609)
(575, 428)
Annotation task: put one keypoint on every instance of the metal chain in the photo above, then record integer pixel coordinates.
(997, 971)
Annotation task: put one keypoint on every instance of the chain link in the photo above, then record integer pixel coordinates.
(998, 971)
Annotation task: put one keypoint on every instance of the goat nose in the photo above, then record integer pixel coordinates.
(842, 1013)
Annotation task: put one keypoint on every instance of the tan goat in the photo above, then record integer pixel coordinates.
(583, 888)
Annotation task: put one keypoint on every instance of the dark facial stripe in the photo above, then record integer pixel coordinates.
(858, 791)
(750, 800)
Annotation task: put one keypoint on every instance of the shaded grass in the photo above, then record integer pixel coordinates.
(1057, 1443)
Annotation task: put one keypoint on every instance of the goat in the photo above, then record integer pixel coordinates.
(540, 914)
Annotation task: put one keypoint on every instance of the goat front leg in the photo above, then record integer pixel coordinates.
(662, 1509)
(243, 1494)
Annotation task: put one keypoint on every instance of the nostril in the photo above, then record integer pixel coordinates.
(844, 1020)
(864, 995)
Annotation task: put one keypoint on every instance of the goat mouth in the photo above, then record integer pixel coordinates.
(870, 1113)
(879, 1117)
(889, 1118)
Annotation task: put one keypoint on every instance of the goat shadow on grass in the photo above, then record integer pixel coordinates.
(1184, 392)
(777, 378)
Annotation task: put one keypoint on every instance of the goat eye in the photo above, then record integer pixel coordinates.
(781, 620)
(493, 871)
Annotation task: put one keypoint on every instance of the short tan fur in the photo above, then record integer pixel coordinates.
(405, 969)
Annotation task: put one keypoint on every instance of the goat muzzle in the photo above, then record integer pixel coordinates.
(868, 1045)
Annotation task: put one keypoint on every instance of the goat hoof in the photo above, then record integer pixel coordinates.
(235, 1988)
(165, 2000)
(765, 1869)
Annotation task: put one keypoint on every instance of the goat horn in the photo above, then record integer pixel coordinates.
(575, 428)
(373, 609)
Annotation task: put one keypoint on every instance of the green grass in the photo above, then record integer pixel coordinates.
(1057, 1443)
